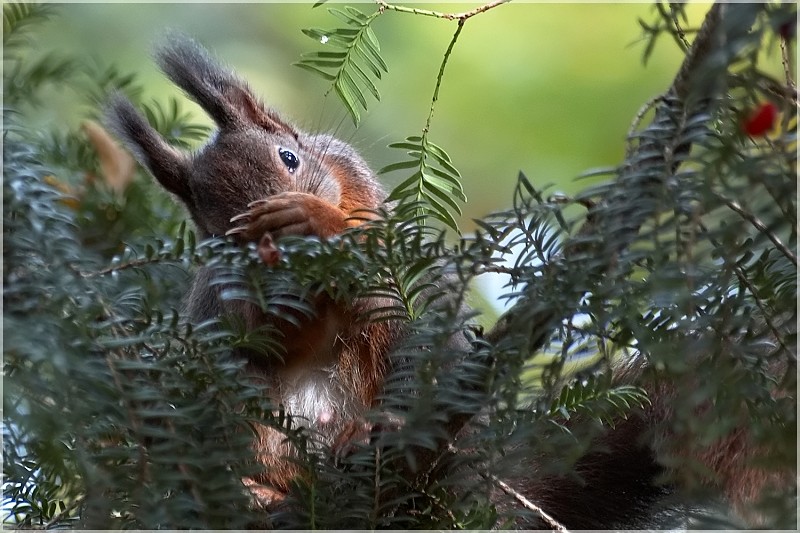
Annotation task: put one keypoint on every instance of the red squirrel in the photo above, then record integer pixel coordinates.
(259, 177)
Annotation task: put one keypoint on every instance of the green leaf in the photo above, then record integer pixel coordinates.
(436, 181)
(438, 153)
(440, 211)
(445, 163)
(417, 271)
(443, 195)
(406, 145)
(353, 87)
(404, 188)
(368, 60)
(316, 70)
(446, 177)
(353, 16)
(402, 165)
(372, 48)
(446, 187)
(347, 99)
(366, 82)
(326, 54)
(350, 69)
(321, 63)
(358, 15)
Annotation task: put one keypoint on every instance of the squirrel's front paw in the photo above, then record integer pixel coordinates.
(289, 213)
(263, 497)
(359, 432)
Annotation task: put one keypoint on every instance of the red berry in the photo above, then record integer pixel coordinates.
(760, 120)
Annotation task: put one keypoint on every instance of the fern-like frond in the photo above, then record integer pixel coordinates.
(18, 17)
(174, 123)
(104, 79)
(22, 79)
(352, 60)
(596, 397)
(435, 186)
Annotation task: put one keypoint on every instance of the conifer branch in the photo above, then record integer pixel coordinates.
(708, 37)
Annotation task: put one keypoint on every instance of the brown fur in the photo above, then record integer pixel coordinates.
(731, 462)
(239, 185)
(618, 482)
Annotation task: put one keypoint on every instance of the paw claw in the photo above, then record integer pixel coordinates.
(258, 202)
(239, 217)
(235, 231)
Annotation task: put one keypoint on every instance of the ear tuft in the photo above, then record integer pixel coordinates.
(192, 68)
(220, 92)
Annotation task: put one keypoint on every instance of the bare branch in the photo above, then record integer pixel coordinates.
(552, 522)
(385, 6)
(760, 226)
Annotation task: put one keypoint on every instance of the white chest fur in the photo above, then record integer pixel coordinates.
(317, 399)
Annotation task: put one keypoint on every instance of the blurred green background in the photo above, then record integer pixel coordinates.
(549, 89)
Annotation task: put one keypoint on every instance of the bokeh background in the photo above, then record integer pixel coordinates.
(548, 89)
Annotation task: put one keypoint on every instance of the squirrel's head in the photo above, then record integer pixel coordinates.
(252, 155)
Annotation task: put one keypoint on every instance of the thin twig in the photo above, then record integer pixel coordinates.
(787, 63)
(760, 226)
(376, 499)
(703, 46)
(141, 448)
(145, 471)
(552, 522)
(681, 34)
(497, 269)
(385, 6)
(434, 99)
(480, 9)
(124, 266)
(637, 120)
(740, 275)
(440, 77)
(68, 509)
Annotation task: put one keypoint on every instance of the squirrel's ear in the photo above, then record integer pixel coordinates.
(222, 94)
(166, 163)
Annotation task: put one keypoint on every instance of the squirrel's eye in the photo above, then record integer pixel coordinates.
(289, 159)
